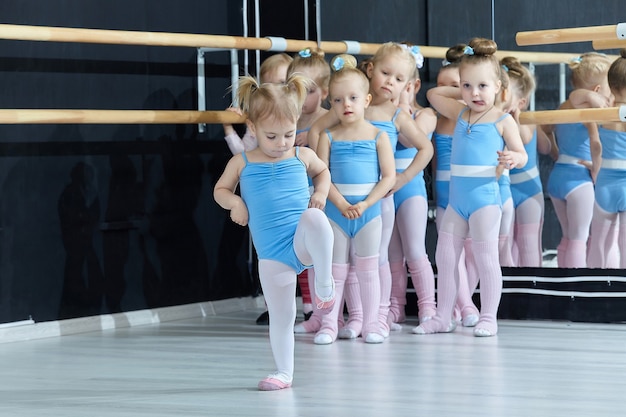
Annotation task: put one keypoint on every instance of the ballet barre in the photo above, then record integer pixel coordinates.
(125, 37)
(581, 34)
(549, 117)
(609, 44)
(74, 116)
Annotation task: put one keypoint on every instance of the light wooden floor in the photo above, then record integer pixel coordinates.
(210, 367)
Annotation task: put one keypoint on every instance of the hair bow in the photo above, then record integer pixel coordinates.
(338, 63)
(468, 50)
(415, 51)
(305, 53)
(505, 68)
(445, 63)
(577, 59)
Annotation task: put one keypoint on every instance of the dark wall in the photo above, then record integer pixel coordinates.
(105, 218)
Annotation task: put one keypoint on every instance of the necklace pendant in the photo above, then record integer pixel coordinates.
(469, 130)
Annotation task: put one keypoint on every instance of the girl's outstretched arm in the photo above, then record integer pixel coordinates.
(224, 191)
(323, 152)
(409, 130)
(325, 122)
(514, 155)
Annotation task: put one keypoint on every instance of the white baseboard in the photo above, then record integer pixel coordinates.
(29, 330)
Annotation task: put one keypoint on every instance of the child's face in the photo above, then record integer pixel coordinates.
(278, 76)
(479, 85)
(349, 98)
(388, 77)
(275, 137)
(315, 94)
(448, 77)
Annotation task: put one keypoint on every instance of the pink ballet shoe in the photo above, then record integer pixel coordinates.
(272, 384)
(325, 305)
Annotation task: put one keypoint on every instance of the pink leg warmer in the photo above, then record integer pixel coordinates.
(448, 253)
(423, 280)
(486, 258)
(369, 285)
(352, 295)
(399, 282)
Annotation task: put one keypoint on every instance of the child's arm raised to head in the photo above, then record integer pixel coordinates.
(408, 129)
(446, 101)
(224, 191)
(319, 173)
(327, 121)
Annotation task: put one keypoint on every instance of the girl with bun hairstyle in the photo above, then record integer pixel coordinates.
(484, 138)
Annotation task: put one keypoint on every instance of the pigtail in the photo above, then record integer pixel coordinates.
(298, 85)
(248, 85)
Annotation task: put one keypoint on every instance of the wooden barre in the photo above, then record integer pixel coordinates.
(122, 37)
(609, 44)
(69, 116)
(582, 34)
(549, 117)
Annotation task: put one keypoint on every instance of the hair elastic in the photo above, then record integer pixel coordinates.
(305, 53)
(468, 50)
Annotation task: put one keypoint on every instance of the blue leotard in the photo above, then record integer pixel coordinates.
(443, 150)
(389, 127)
(611, 181)
(414, 188)
(525, 182)
(354, 170)
(473, 162)
(276, 194)
(567, 174)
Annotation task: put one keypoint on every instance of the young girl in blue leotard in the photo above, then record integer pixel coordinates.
(289, 229)
(484, 137)
(526, 187)
(361, 164)
(388, 71)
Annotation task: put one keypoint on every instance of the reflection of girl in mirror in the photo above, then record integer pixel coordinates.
(526, 187)
(609, 213)
(570, 185)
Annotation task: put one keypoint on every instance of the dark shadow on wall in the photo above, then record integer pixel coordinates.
(79, 217)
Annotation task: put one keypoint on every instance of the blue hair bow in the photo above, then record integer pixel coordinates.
(305, 53)
(338, 63)
(468, 50)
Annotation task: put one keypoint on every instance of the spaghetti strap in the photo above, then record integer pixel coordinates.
(245, 158)
(395, 115)
(330, 137)
(297, 152)
(462, 113)
(377, 135)
(502, 118)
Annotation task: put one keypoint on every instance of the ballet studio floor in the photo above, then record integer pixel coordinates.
(210, 366)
